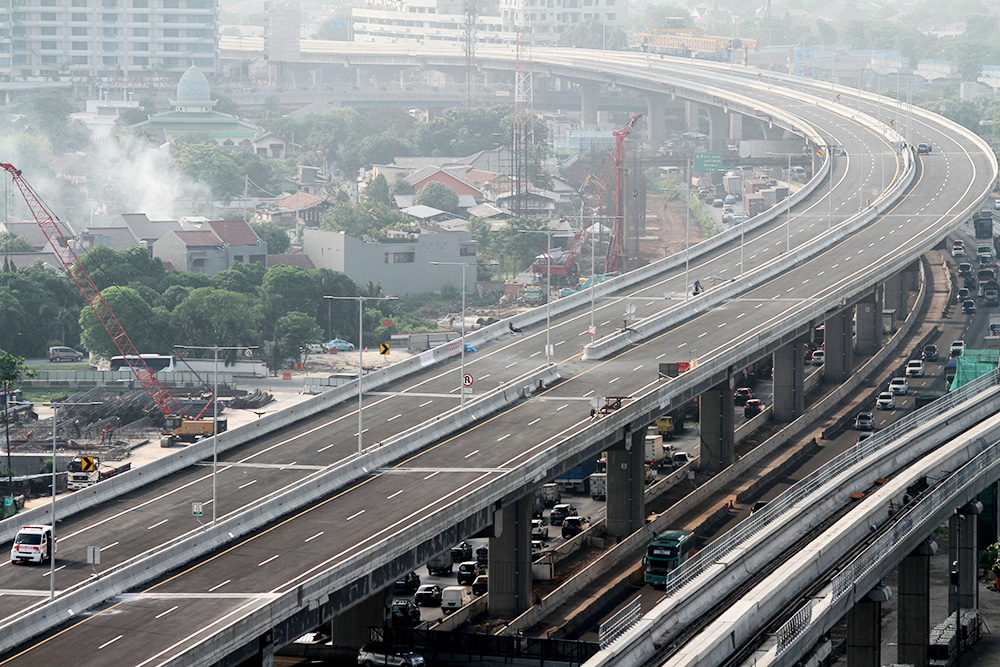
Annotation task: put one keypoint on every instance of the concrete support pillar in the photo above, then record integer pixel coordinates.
(510, 560)
(735, 127)
(626, 508)
(351, 628)
(718, 132)
(789, 381)
(911, 277)
(838, 343)
(868, 316)
(914, 623)
(864, 630)
(691, 113)
(716, 420)
(265, 650)
(588, 105)
(962, 533)
(892, 288)
(656, 119)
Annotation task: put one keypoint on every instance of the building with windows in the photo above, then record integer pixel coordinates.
(110, 40)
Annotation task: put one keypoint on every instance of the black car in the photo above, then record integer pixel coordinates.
(923, 149)
(428, 595)
(963, 294)
(560, 512)
(572, 526)
(968, 307)
(964, 269)
(404, 614)
(742, 394)
(461, 552)
(467, 572)
(481, 585)
(930, 353)
(408, 584)
(753, 407)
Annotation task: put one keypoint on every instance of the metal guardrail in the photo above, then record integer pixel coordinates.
(708, 557)
(847, 579)
(617, 625)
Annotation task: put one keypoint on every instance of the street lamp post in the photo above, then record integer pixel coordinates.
(788, 200)
(548, 284)
(361, 347)
(52, 512)
(215, 413)
(464, 265)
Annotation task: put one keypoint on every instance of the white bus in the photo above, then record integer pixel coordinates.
(165, 363)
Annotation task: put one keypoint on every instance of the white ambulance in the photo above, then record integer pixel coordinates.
(33, 544)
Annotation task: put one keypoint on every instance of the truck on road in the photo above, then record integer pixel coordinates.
(577, 479)
(84, 471)
(983, 224)
(991, 293)
(440, 564)
(599, 485)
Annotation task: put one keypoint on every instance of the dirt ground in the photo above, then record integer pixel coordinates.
(668, 229)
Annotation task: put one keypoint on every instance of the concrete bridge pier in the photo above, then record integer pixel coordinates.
(510, 560)
(656, 119)
(351, 628)
(735, 127)
(893, 296)
(789, 381)
(589, 92)
(914, 613)
(963, 527)
(864, 629)
(716, 422)
(838, 343)
(626, 507)
(867, 317)
(718, 129)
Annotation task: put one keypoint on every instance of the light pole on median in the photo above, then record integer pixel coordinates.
(361, 347)
(548, 284)
(788, 199)
(215, 412)
(464, 265)
(55, 427)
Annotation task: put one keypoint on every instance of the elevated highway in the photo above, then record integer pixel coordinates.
(259, 591)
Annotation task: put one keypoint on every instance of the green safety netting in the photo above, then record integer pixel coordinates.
(973, 364)
(8, 507)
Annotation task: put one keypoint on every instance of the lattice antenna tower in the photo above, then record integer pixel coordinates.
(523, 134)
(470, 53)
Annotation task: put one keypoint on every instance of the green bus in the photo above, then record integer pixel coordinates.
(666, 552)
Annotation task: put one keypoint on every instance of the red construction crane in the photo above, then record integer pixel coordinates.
(616, 249)
(563, 261)
(176, 419)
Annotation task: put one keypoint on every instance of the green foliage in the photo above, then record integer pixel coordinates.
(47, 113)
(512, 250)
(148, 330)
(368, 221)
(136, 264)
(286, 289)
(12, 371)
(437, 195)
(662, 16)
(378, 191)
(276, 237)
(593, 34)
(339, 33)
(264, 173)
(401, 187)
(211, 316)
(129, 117)
(295, 331)
(12, 242)
(205, 163)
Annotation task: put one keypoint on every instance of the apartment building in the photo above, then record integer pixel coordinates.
(116, 40)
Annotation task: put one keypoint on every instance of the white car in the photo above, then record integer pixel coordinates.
(818, 357)
(958, 250)
(537, 547)
(899, 386)
(957, 348)
(32, 544)
(885, 401)
(915, 368)
(539, 531)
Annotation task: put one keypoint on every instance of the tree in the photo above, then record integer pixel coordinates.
(13, 242)
(368, 221)
(296, 331)
(401, 187)
(378, 190)
(286, 289)
(107, 267)
(594, 34)
(148, 329)
(437, 195)
(211, 316)
(337, 27)
(276, 237)
(663, 16)
(204, 163)
(12, 369)
(244, 278)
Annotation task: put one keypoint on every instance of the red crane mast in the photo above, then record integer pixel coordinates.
(616, 249)
(49, 224)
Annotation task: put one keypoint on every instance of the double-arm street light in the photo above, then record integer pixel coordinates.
(464, 265)
(361, 346)
(55, 428)
(247, 349)
(548, 284)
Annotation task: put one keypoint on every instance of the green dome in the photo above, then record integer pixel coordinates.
(193, 87)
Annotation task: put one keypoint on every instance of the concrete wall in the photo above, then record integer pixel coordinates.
(364, 262)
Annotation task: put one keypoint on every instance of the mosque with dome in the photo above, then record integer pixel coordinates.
(193, 114)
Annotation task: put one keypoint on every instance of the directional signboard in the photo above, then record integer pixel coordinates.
(87, 464)
(383, 348)
(706, 163)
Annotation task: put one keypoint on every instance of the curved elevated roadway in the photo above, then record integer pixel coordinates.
(332, 553)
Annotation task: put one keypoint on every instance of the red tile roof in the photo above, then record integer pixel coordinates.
(198, 239)
(299, 201)
(234, 232)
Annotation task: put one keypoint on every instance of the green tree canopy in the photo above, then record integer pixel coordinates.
(211, 316)
(148, 330)
(244, 278)
(13, 242)
(286, 289)
(107, 267)
(206, 164)
(378, 191)
(368, 221)
(295, 332)
(437, 195)
(594, 34)
(276, 237)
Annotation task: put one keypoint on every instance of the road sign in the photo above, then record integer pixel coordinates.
(196, 509)
(467, 380)
(706, 163)
(592, 330)
(383, 348)
(248, 353)
(87, 464)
